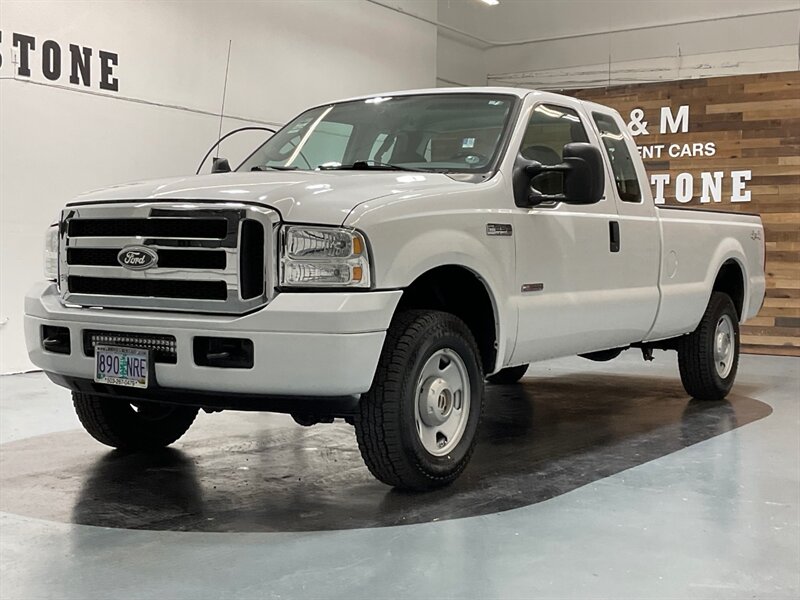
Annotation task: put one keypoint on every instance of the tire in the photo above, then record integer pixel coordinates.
(508, 376)
(707, 371)
(426, 357)
(117, 423)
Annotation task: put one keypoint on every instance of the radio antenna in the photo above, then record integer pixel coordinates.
(224, 92)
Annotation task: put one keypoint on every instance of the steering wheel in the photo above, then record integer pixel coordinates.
(470, 157)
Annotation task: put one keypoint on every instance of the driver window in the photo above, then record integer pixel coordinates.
(551, 128)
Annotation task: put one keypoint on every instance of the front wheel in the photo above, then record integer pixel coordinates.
(416, 426)
(141, 426)
(709, 356)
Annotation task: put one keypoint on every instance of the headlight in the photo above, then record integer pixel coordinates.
(51, 253)
(323, 257)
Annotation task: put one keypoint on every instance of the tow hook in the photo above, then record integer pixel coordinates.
(647, 353)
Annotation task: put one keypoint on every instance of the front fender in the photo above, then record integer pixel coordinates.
(408, 239)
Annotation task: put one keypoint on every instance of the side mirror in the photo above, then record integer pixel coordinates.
(220, 165)
(584, 181)
(581, 171)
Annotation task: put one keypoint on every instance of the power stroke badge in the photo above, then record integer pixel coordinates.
(499, 229)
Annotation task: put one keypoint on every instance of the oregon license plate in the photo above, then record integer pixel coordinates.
(121, 366)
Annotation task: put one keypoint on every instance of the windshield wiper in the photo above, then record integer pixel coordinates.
(365, 165)
(272, 168)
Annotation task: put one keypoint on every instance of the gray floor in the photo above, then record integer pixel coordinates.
(710, 515)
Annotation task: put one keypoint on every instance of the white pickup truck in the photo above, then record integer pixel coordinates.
(376, 260)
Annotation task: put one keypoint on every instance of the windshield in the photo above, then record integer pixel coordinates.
(433, 132)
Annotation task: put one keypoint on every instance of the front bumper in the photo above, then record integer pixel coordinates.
(305, 344)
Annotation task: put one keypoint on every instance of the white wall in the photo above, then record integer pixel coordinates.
(459, 63)
(58, 140)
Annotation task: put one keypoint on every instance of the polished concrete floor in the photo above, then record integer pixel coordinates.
(589, 481)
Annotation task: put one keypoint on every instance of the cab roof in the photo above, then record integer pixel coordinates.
(509, 91)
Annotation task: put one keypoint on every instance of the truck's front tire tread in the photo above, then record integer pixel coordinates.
(380, 420)
(115, 423)
(696, 353)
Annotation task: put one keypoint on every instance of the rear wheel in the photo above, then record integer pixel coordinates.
(140, 426)
(709, 356)
(416, 427)
(508, 375)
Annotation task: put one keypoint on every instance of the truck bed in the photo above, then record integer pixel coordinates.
(694, 245)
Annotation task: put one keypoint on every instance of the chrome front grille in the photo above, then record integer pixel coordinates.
(211, 257)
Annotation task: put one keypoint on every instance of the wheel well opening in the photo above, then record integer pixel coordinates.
(457, 290)
(730, 280)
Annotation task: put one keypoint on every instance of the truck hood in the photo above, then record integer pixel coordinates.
(299, 196)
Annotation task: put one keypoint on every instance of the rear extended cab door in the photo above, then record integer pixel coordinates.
(637, 230)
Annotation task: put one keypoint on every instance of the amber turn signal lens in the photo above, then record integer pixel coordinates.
(357, 249)
(358, 272)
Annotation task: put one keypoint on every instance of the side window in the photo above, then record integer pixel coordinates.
(551, 128)
(619, 156)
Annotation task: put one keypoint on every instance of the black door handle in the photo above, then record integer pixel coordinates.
(613, 235)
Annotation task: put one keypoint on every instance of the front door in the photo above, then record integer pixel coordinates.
(570, 278)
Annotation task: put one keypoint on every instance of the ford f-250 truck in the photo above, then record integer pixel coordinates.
(375, 260)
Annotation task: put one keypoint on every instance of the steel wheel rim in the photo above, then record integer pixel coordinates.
(724, 346)
(442, 402)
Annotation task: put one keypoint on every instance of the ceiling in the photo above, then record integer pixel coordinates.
(530, 20)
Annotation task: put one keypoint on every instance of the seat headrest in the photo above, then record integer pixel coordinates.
(542, 154)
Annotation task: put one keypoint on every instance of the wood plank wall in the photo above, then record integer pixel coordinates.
(754, 123)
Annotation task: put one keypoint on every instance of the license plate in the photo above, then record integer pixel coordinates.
(121, 366)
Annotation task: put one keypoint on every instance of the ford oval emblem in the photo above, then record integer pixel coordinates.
(137, 258)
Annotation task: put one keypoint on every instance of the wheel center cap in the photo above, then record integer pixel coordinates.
(435, 401)
(723, 343)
